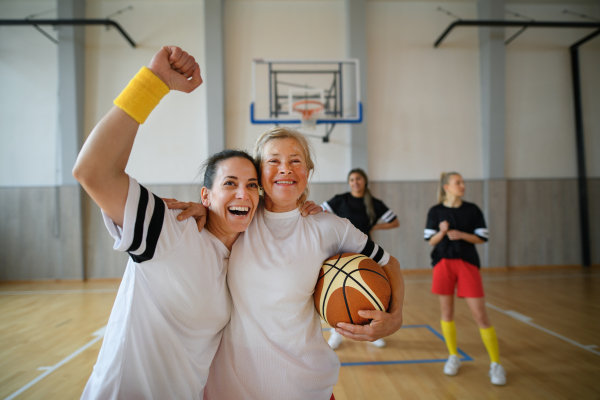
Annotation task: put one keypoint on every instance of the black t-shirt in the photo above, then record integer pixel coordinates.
(467, 218)
(354, 209)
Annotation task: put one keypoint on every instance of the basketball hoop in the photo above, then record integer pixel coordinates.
(309, 110)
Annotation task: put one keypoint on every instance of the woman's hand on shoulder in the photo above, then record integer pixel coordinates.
(190, 209)
(176, 68)
(310, 208)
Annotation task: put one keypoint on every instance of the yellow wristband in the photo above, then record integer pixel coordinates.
(141, 95)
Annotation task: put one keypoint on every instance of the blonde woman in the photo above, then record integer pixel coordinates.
(273, 346)
(453, 228)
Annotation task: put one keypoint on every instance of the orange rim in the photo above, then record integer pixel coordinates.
(308, 112)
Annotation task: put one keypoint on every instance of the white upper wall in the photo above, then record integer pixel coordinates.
(281, 30)
(423, 103)
(28, 93)
(171, 145)
(540, 125)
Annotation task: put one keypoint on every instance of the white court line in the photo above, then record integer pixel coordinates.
(20, 292)
(515, 278)
(527, 320)
(99, 334)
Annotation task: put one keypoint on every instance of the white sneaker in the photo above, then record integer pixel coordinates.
(452, 365)
(497, 374)
(379, 343)
(335, 340)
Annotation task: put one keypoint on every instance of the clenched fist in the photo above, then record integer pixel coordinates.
(176, 68)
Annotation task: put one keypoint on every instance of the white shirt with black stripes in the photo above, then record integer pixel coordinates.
(273, 347)
(172, 305)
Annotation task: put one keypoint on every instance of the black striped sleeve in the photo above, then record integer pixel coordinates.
(154, 227)
(373, 251)
(140, 217)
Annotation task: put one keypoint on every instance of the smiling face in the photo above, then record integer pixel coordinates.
(357, 184)
(233, 198)
(455, 186)
(284, 174)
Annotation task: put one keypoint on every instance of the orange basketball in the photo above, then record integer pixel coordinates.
(348, 283)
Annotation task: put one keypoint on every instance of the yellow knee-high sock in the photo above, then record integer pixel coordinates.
(490, 341)
(449, 332)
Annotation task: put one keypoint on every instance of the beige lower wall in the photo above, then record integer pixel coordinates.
(594, 209)
(542, 227)
(40, 233)
(543, 222)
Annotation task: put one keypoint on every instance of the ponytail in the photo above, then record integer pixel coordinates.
(367, 197)
(444, 178)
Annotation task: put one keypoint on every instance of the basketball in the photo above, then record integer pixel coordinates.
(348, 283)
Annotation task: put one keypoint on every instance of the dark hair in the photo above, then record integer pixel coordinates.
(212, 163)
(367, 197)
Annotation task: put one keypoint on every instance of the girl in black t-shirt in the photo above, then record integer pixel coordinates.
(453, 228)
(366, 213)
(358, 205)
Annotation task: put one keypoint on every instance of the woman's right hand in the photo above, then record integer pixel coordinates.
(444, 226)
(176, 68)
(190, 209)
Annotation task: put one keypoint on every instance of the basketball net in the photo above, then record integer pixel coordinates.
(309, 109)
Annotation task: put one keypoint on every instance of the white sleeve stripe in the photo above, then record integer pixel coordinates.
(380, 256)
(327, 207)
(483, 232)
(388, 216)
(429, 233)
(374, 253)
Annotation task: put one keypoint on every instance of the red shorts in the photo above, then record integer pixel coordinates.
(451, 273)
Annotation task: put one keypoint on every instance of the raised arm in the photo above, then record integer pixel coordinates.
(100, 166)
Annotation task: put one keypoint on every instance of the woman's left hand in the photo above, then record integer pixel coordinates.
(190, 209)
(454, 234)
(383, 324)
(310, 208)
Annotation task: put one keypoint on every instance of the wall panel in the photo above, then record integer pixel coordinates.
(594, 202)
(30, 245)
(543, 224)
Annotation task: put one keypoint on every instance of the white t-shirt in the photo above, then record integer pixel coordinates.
(172, 305)
(273, 347)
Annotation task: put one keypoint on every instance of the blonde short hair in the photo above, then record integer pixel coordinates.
(283, 132)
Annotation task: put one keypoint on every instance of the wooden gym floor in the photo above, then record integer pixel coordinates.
(548, 325)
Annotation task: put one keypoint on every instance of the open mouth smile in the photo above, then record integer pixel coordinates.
(285, 182)
(239, 210)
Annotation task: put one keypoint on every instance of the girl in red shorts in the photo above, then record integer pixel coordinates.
(453, 228)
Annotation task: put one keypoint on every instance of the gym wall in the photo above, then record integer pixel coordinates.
(423, 114)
